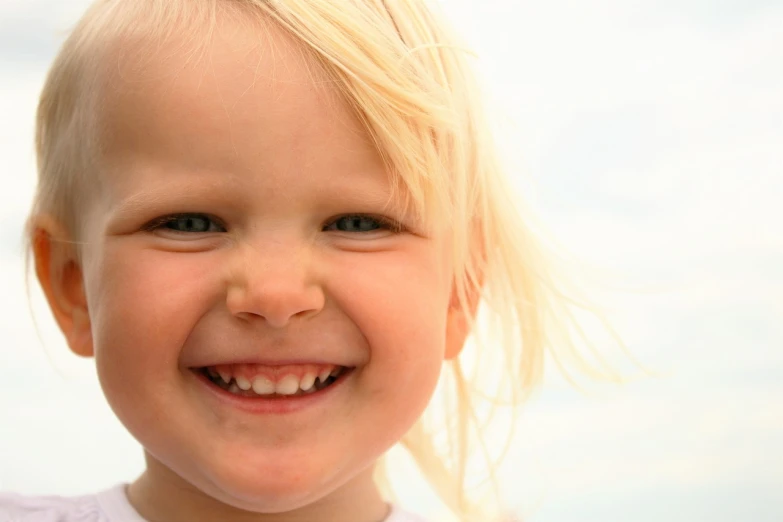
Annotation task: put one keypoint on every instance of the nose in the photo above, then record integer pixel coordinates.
(275, 283)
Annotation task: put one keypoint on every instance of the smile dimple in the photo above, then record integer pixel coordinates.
(242, 381)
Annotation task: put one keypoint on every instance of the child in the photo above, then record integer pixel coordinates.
(271, 222)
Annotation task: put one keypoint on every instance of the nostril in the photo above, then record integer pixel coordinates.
(275, 300)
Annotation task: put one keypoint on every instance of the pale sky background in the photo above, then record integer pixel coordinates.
(654, 132)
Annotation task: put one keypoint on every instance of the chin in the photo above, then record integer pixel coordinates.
(268, 490)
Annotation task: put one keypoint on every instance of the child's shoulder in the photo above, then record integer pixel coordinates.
(108, 506)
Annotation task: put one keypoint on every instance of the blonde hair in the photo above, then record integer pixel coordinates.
(409, 81)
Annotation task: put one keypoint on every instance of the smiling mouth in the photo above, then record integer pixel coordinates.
(262, 387)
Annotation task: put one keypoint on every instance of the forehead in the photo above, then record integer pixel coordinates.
(248, 91)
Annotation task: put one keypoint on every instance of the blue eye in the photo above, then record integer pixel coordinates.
(360, 223)
(187, 223)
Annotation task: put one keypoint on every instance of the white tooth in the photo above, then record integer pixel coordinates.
(226, 376)
(323, 376)
(263, 386)
(288, 385)
(243, 383)
(336, 371)
(307, 381)
(234, 388)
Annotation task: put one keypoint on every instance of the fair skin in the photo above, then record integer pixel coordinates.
(264, 164)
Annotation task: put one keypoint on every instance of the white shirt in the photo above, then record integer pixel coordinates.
(107, 506)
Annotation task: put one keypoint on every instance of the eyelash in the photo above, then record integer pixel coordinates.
(162, 221)
(383, 222)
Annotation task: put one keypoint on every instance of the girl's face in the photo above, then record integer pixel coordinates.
(241, 219)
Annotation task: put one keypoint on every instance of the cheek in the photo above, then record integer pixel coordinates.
(143, 308)
(400, 306)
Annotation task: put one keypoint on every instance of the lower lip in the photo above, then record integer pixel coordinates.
(272, 406)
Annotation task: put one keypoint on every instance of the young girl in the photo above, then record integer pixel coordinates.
(272, 223)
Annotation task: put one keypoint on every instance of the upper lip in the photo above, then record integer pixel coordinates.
(273, 362)
(269, 349)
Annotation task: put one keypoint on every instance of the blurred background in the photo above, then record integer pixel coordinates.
(653, 133)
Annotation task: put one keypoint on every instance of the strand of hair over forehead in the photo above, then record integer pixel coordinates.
(396, 73)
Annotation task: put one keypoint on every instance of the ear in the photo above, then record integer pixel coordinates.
(59, 271)
(460, 319)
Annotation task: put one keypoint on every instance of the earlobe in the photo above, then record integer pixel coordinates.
(59, 272)
(457, 332)
(460, 320)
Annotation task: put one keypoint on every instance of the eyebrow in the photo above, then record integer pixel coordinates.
(143, 199)
(171, 193)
